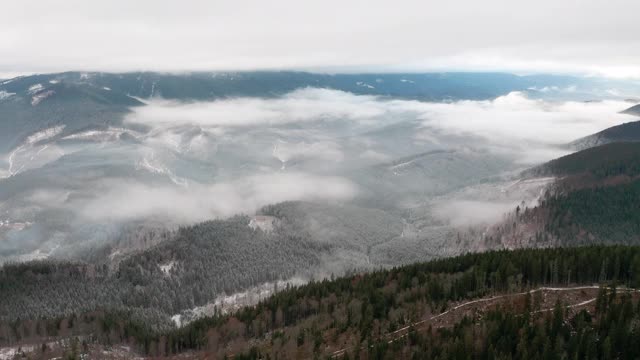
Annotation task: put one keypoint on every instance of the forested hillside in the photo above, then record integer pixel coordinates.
(625, 132)
(129, 206)
(619, 158)
(634, 110)
(629, 131)
(593, 200)
(196, 264)
(199, 263)
(532, 303)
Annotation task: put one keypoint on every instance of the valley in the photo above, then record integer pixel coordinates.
(148, 212)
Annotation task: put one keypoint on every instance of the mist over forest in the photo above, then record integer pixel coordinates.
(319, 180)
(75, 183)
(182, 196)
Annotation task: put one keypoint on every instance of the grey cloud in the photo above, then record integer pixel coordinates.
(545, 35)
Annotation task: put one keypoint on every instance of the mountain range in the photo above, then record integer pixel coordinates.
(265, 214)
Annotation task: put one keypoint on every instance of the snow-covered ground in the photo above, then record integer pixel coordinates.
(167, 267)
(264, 223)
(35, 88)
(37, 98)
(225, 304)
(151, 163)
(30, 154)
(13, 352)
(5, 94)
(364, 84)
(110, 134)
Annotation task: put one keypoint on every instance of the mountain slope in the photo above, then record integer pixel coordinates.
(625, 132)
(593, 200)
(36, 104)
(629, 131)
(505, 303)
(618, 158)
(194, 265)
(634, 110)
(200, 86)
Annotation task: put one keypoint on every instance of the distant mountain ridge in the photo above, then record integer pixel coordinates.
(200, 86)
(634, 110)
(629, 131)
(147, 282)
(82, 100)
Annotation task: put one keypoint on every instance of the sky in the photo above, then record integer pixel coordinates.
(576, 36)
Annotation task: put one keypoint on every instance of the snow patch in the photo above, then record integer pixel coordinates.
(5, 94)
(36, 99)
(151, 164)
(402, 165)
(27, 150)
(108, 135)
(226, 304)
(35, 88)
(363, 84)
(264, 223)
(14, 352)
(167, 267)
(114, 254)
(44, 134)
(177, 319)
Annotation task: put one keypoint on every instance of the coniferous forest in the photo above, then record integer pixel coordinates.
(296, 180)
(406, 312)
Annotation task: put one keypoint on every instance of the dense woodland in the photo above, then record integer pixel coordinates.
(204, 261)
(594, 200)
(619, 158)
(195, 264)
(363, 308)
(610, 333)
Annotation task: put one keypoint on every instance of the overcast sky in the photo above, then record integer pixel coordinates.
(585, 36)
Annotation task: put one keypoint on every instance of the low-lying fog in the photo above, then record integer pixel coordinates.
(177, 163)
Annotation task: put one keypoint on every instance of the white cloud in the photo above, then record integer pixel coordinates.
(325, 150)
(487, 203)
(526, 126)
(122, 200)
(470, 213)
(374, 155)
(310, 104)
(531, 130)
